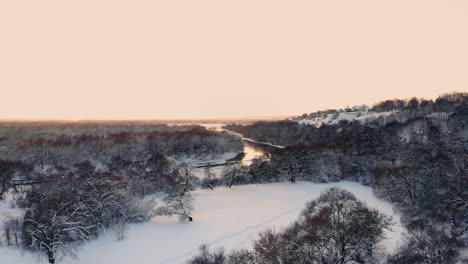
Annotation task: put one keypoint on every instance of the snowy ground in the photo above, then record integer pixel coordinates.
(331, 119)
(222, 217)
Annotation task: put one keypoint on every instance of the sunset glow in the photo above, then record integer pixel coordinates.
(153, 59)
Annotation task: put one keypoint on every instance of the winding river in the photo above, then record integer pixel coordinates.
(252, 149)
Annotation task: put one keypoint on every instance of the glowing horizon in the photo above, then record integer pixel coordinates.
(152, 119)
(147, 60)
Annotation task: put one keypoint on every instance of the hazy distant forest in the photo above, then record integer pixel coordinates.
(74, 180)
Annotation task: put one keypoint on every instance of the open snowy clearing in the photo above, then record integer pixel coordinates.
(222, 217)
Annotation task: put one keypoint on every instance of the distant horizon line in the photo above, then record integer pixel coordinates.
(273, 117)
(214, 118)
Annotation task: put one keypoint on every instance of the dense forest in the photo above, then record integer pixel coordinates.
(416, 157)
(75, 180)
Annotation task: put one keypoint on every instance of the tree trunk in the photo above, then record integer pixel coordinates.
(51, 256)
(2, 187)
(292, 179)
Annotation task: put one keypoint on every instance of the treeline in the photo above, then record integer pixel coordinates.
(326, 112)
(448, 102)
(420, 165)
(290, 132)
(66, 148)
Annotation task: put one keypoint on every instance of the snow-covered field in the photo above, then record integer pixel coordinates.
(222, 217)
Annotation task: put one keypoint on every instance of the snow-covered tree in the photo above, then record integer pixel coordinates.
(210, 180)
(428, 245)
(63, 212)
(178, 200)
(177, 204)
(290, 165)
(185, 178)
(335, 228)
(56, 224)
(235, 174)
(207, 257)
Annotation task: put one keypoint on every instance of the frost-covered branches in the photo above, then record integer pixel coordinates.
(65, 211)
(177, 204)
(178, 200)
(335, 228)
(55, 226)
(428, 245)
(235, 174)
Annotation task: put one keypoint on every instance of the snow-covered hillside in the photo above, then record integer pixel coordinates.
(364, 115)
(229, 217)
(335, 118)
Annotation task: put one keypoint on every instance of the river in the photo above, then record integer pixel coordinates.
(252, 149)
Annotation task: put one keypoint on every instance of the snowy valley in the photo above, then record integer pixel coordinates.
(385, 185)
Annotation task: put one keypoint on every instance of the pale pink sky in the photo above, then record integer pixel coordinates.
(193, 59)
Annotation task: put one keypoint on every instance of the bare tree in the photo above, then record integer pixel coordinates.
(207, 257)
(210, 180)
(335, 228)
(177, 204)
(427, 245)
(179, 199)
(235, 174)
(56, 225)
(186, 179)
